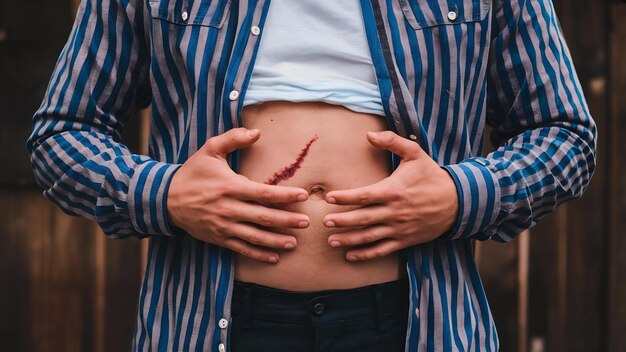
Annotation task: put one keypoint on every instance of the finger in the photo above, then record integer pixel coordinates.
(247, 250)
(260, 192)
(231, 140)
(378, 250)
(268, 217)
(360, 217)
(263, 238)
(362, 236)
(405, 148)
(376, 193)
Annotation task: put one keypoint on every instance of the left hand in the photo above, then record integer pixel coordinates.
(416, 204)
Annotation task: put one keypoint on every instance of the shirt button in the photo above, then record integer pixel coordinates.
(417, 312)
(234, 94)
(184, 15)
(223, 323)
(452, 15)
(221, 347)
(255, 30)
(413, 137)
(318, 309)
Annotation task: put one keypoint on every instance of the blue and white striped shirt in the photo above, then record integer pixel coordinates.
(444, 68)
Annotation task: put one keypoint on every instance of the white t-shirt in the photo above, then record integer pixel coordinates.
(315, 50)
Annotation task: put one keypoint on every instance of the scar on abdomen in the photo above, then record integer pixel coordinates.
(287, 172)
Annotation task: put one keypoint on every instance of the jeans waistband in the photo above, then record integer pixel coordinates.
(252, 301)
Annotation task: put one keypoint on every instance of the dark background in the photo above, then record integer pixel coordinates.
(64, 287)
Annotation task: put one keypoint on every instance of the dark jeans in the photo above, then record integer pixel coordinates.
(370, 318)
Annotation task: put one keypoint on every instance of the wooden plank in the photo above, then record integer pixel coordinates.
(22, 216)
(100, 297)
(123, 274)
(522, 289)
(617, 182)
(498, 266)
(547, 285)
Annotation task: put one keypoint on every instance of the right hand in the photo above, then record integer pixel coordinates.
(212, 203)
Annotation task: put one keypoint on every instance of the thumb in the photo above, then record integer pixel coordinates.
(231, 140)
(404, 148)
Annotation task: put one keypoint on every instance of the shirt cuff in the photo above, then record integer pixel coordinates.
(479, 199)
(147, 198)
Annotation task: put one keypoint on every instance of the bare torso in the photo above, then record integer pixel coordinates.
(318, 147)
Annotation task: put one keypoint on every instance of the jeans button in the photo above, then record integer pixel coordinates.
(318, 309)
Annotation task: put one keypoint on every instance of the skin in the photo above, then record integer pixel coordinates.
(415, 204)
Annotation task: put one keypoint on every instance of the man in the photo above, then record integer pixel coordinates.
(276, 217)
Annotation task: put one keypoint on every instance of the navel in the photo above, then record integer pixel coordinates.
(317, 189)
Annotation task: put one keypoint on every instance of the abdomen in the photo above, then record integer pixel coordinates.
(318, 147)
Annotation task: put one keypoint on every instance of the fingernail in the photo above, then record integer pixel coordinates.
(331, 200)
(329, 223)
(273, 260)
(303, 224)
(335, 244)
(372, 135)
(289, 245)
(302, 197)
(253, 133)
(352, 258)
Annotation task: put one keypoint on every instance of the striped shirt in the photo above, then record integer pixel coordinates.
(444, 68)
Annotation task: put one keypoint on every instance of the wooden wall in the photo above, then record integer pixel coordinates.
(64, 287)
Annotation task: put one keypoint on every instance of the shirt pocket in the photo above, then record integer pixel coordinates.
(207, 13)
(422, 14)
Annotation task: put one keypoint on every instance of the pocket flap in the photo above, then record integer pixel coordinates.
(428, 13)
(191, 12)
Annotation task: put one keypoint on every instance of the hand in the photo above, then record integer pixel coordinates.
(417, 203)
(214, 204)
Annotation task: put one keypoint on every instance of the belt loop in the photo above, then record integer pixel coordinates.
(247, 308)
(378, 309)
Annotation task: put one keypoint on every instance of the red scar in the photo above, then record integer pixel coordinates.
(288, 171)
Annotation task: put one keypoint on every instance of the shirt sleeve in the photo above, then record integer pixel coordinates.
(101, 79)
(545, 135)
